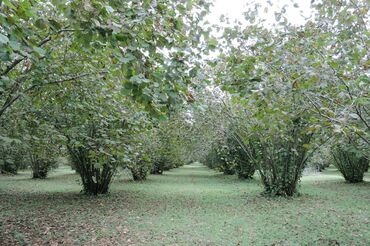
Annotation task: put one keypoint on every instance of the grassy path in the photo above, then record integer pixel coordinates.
(191, 205)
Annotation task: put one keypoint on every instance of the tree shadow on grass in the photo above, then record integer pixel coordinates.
(27, 177)
(11, 200)
(68, 217)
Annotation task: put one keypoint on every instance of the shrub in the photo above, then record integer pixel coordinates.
(320, 159)
(8, 167)
(229, 157)
(160, 164)
(43, 148)
(12, 155)
(141, 167)
(244, 167)
(219, 158)
(226, 162)
(211, 158)
(96, 172)
(41, 165)
(281, 159)
(350, 162)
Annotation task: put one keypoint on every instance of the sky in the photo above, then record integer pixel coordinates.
(234, 10)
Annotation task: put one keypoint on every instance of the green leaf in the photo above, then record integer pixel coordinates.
(41, 23)
(54, 24)
(212, 43)
(126, 91)
(39, 51)
(15, 45)
(3, 39)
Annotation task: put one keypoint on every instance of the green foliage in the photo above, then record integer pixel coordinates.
(211, 159)
(41, 166)
(92, 124)
(226, 160)
(160, 164)
(96, 78)
(89, 68)
(95, 176)
(350, 161)
(236, 156)
(141, 167)
(281, 162)
(287, 82)
(143, 45)
(320, 159)
(42, 141)
(138, 159)
(272, 122)
(170, 142)
(12, 155)
(230, 157)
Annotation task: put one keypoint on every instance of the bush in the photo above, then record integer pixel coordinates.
(160, 164)
(350, 162)
(8, 167)
(141, 167)
(219, 158)
(320, 159)
(41, 165)
(164, 157)
(281, 161)
(96, 172)
(230, 158)
(244, 167)
(211, 159)
(12, 155)
(226, 162)
(43, 146)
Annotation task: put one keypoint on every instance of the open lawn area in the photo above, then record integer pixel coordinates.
(190, 205)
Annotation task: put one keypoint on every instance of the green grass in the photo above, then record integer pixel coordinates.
(191, 205)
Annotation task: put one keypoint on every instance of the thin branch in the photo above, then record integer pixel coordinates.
(79, 76)
(10, 101)
(42, 42)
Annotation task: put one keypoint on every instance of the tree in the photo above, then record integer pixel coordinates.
(275, 124)
(13, 151)
(91, 57)
(43, 147)
(141, 166)
(350, 161)
(290, 82)
(54, 42)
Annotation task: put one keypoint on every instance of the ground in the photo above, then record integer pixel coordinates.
(191, 205)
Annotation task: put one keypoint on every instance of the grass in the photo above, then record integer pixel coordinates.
(191, 205)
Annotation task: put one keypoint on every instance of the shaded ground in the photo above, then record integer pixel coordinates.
(191, 205)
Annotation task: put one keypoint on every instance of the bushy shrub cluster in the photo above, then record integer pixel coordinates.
(141, 167)
(95, 159)
(230, 157)
(41, 165)
(160, 164)
(350, 161)
(320, 159)
(281, 162)
(244, 167)
(12, 155)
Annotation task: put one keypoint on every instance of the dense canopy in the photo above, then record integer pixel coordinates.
(110, 87)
